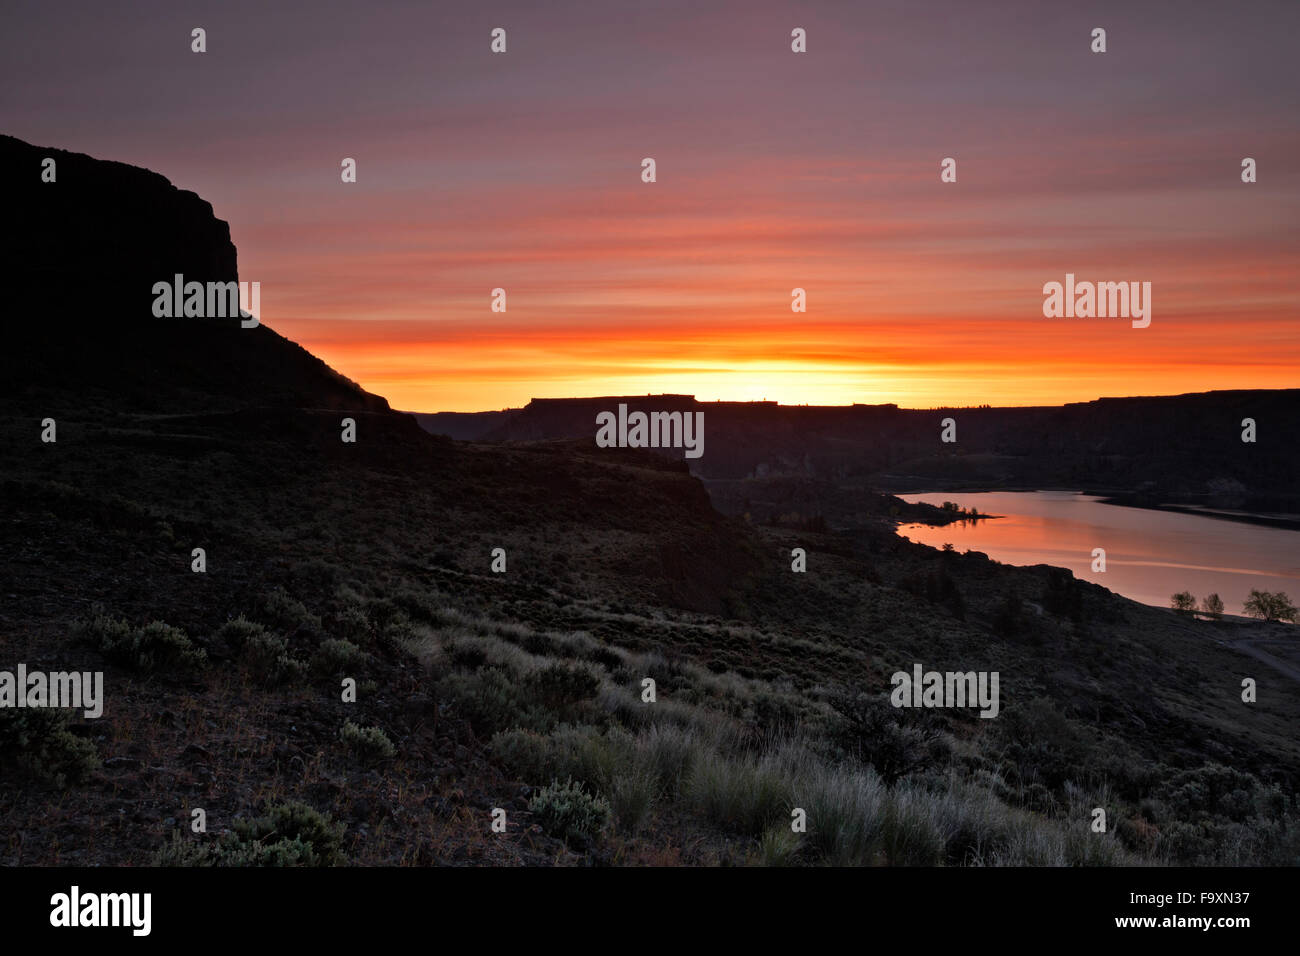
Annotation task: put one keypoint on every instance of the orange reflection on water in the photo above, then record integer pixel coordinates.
(1149, 555)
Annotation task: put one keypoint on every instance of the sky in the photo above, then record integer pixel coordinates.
(774, 170)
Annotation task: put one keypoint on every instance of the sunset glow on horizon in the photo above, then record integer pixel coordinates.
(474, 376)
(775, 171)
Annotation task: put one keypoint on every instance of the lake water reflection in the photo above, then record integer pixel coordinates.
(1149, 554)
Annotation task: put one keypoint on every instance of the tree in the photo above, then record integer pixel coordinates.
(1183, 602)
(871, 729)
(1212, 607)
(1270, 606)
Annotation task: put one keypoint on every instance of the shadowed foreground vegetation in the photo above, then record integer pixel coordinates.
(524, 691)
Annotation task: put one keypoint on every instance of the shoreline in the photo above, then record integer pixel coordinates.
(1127, 499)
(1241, 517)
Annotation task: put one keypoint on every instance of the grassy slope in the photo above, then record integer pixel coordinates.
(490, 686)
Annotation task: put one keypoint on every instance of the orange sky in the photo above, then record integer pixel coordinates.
(931, 363)
(775, 170)
(921, 294)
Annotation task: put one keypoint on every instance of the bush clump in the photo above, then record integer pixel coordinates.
(566, 810)
(336, 656)
(150, 649)
(287, 612)
(779, 846)
(745, 795)
(266, 654)
(289, 834)
(525, 753)
(370, 744)
(37, 741)
(870, 730)
(489, 699)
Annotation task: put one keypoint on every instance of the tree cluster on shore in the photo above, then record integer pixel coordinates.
(1263, 605)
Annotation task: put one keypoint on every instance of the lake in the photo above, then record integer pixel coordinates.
(1149, 554)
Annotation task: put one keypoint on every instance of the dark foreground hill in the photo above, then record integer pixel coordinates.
(89, 248)
(365, 571)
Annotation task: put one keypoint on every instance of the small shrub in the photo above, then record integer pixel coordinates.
(911, 835)
(558, 687)
(290, 834)
(153, 648)
(1214, 790)
(296, 820)
(352, 623)
(779, 846)
(772, 717)
(668, 752)
(370, 744)
(745, 795)
(266, 654)
(631, 796)
(269, 657)
(103, 631)
(184, 852)
(287, 612)
(336, 656)
(566, 810)
(846, 814)
(468, 657)
(37, 741)
(592, 756)
(238, 631)
(489, 699)
(603, 656)
(976, 827)
(525, 753)
(1042, 746)
(1085, 848)
(535, 643)
(869, 729)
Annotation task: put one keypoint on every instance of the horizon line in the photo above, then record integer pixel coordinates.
(771, 402)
